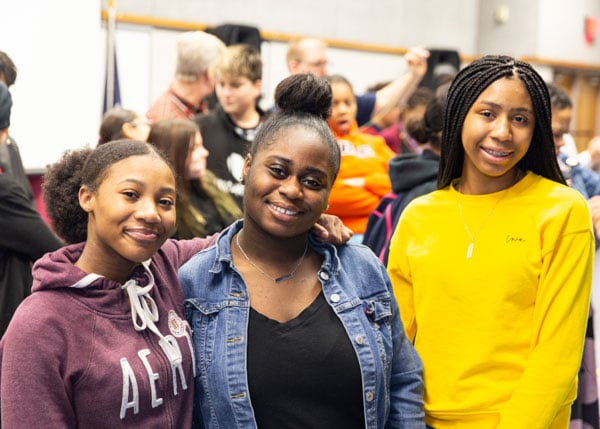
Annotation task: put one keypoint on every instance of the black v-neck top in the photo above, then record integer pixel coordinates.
(304, 373)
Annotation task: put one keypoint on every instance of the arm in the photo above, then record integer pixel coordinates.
(32, 388)
(401, 88)
(594, 204)
(23, 229)
(559, 324)
(401, 281)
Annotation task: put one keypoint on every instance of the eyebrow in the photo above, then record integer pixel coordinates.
(498, 106)
(143, 184)
(289, 161)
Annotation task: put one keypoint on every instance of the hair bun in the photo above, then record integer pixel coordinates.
(304, 93)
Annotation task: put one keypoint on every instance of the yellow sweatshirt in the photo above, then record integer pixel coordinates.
(501, 333)
(364, 156)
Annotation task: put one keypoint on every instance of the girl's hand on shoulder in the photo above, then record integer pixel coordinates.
(331, 229)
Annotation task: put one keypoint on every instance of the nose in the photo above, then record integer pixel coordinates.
(502, 130)
(290, 188)
(147, 211)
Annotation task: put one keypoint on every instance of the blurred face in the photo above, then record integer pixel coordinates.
(138, 129)
(415, 113)
(497, 132)
(288, 183)
(343, 109)
(237, 95)
(132, 213)
(196, 166)
(561, 120)
(313, 59)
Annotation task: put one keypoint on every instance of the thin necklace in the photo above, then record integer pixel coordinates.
(273, 279)
(472, 237)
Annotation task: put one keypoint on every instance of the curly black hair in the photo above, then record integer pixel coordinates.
(83, 167)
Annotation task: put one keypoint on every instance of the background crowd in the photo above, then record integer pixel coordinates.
(478, 214)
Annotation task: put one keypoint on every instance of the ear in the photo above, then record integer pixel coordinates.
(128, 130)
(86, 199)
(3, 135)
(246, 168)
(294, 66)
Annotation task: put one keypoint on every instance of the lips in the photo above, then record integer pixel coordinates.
(143, 234)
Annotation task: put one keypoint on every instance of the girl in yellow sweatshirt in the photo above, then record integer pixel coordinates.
(492, 271)
(363, 176)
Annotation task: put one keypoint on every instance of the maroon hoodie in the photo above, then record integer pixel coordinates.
(72, 357)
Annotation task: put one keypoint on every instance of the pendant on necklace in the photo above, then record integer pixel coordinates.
(283, 278)
(470, 249)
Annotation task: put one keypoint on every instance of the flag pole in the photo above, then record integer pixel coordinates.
(110, 55)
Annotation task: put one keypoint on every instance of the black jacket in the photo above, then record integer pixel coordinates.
(24, 237)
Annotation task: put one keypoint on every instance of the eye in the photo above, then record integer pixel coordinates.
(166, 202)
(278, 171)
(130, 194)
(313, 183)
(521, 119)
(486, 114)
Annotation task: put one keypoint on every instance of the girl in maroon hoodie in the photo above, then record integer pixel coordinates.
(102, 341)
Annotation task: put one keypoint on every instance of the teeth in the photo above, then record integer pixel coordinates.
(496, 153)
(284, 211)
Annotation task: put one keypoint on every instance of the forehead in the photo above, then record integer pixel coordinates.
(313, 50)
(149, 169)
(340, 89)
(509, 93)
(300, 145)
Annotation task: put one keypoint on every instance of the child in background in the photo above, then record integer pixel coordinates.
(392, 125)
(119, 123)
(363, 177)
(202, 208)
(229, 129)
(492, 271)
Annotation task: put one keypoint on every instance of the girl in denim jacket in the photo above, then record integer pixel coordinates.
(288, 331)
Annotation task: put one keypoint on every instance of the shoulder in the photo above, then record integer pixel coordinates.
(178, 252)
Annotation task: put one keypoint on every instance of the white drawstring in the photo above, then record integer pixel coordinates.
(144, 312)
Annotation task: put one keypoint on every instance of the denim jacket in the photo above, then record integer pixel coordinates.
(357, 288)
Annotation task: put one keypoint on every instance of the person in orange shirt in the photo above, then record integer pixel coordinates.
(363, 177)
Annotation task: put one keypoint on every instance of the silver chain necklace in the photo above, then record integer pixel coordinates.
(273, 279)
(472, 236)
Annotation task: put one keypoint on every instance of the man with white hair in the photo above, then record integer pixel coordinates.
(197, 51)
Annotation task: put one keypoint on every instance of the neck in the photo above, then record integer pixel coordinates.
(262, 245)
(191, 92)
(246, 119)
(117, 270)
(472, 185)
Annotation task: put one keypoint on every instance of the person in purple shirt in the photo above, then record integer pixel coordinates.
(102, 341)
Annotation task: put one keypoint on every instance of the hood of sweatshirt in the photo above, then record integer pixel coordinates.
(56, 270)
(410, 170)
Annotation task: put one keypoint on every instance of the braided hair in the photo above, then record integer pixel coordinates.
(467, 86)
